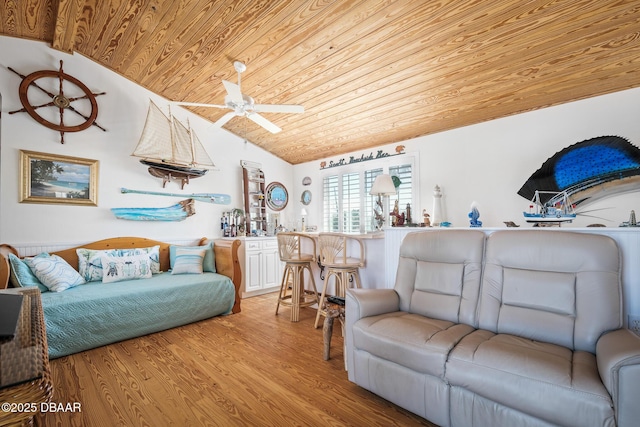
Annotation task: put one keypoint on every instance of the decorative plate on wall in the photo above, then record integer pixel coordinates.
(277, 196)
(306, 197)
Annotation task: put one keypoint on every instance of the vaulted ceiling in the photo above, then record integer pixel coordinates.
(367, 72)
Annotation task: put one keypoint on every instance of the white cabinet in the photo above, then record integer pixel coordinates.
(261, 268)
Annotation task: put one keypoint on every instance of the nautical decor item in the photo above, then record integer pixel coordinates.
(585, 172)
(474, 216)
(557, 209)
(178, 212)
(171, 149)
(277, 196)
(48, 82)
(436, 218)
(632, 220)
(219, 199)
(426, 222)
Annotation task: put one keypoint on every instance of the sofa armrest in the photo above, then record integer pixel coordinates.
(370, 302)
(365, 303)
(618, 357)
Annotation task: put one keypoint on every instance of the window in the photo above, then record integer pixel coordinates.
(331, 203)
(347, 204)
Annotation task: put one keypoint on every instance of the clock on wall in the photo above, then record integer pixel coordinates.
(47, 95)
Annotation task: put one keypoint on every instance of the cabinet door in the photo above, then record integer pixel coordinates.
(254, 263)
(271, 269)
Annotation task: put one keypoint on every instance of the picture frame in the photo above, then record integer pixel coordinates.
(58, 179)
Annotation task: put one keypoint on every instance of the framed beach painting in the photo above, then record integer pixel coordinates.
(52, 178)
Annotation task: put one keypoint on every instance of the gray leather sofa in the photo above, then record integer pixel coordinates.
(514, 328)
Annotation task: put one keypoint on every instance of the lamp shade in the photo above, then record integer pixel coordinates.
(303, 211)
(383, 185)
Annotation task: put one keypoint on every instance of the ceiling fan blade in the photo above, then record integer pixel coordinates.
(224, 119)
(263, 122)
(233, 90)
(199, 104)
(282, 108)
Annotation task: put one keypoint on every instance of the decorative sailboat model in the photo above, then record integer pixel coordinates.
(170, 149)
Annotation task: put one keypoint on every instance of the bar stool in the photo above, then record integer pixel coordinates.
(341, 261)
(292, 292)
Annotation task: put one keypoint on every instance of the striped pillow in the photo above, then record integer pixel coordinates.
(188, 261)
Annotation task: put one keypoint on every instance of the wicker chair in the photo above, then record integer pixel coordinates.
(341, 262)
(292, 291)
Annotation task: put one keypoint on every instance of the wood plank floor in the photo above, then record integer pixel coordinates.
(251, 368)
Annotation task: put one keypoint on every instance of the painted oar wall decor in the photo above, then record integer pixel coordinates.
(178, 212)
(587, 171)
(219, 199)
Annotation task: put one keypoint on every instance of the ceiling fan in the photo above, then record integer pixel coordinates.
(244, 105)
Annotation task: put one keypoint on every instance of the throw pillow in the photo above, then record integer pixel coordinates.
(188, 261)
(22, 276)
(90, 260)
(55, 273)
(118, 268)
(152, 252)
(209, 262)
(90, 264)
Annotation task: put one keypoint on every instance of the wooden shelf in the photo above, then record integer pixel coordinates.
(254, 197)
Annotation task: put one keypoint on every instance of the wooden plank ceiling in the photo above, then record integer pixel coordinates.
(367, 72)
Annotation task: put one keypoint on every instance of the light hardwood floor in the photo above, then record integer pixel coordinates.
(252, 368)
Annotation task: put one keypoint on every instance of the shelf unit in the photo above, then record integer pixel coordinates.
(254, 197)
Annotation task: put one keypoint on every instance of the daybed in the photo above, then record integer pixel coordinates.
(517, 328)
(94, 313)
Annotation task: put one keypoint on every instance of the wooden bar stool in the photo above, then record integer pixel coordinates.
(292, 291)
(342, 262)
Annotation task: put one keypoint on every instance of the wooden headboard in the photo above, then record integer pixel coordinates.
(226, 257)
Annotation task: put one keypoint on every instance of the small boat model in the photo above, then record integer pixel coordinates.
(557, 209)
(170, 149)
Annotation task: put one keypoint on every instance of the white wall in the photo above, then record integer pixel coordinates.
(122, 112)
(489, 162)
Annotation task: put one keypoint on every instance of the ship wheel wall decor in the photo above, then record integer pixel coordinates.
(50, 88)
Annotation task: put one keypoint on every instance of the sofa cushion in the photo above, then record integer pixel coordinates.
(54, 272)
(209, 262)
(544, 380)
(439, 274)
(119, 268)
(90, 263)
(95, 314)
(558, 287)
(21, 275)
(188, 261)
(411, 340)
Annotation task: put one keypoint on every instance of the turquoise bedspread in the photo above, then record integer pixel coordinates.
(96, 314)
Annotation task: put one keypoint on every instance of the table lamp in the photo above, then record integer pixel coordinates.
(382, 187)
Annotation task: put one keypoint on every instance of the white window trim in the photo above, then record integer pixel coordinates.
(412, 158)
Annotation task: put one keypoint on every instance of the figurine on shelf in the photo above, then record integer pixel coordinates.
(632, 220)
(398, 220)
(426, 221)
(395, 214)
(408, 211)
(474, 215)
